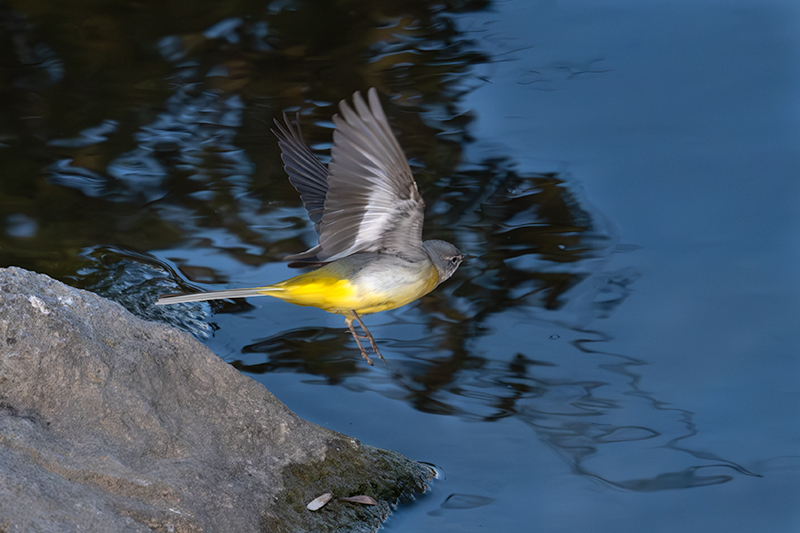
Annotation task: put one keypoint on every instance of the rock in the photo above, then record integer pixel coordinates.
(111, 423)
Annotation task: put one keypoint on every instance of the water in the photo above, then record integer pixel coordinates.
(621, 354)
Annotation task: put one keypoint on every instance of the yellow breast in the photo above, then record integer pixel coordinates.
(315, 290)
(364, 293)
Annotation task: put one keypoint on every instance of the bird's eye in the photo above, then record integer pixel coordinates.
(455, 260)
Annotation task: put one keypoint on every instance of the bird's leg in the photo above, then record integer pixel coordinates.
(349, 322)
(368, 335)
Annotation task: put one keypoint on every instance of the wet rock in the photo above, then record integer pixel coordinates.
(111, 423)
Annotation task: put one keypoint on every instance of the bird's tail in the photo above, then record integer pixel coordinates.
(165, 299)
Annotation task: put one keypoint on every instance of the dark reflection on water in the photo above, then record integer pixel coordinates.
(162, 176)
(590, 422)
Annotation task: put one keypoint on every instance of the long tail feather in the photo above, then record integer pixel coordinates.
(166, 299)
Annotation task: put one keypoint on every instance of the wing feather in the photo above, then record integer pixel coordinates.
(372, 203)
(306, 173)
(367, 199)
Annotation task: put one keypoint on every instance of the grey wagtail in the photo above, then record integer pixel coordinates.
(368, 214)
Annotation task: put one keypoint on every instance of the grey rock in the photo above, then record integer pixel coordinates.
(111, 423)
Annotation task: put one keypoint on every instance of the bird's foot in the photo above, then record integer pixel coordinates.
(366, 335)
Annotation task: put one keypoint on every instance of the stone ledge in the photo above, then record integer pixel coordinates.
(112, 423)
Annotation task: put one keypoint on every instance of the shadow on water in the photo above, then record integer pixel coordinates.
(139, 162)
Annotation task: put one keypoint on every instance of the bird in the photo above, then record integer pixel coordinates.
(368, 215)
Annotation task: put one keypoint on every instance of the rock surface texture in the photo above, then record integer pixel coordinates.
(111, 423)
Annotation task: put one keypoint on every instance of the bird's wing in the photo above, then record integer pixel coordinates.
(306, 173)
(372, 202)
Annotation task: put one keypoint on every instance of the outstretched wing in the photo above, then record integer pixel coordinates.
(372, 203)
(306, 173)
(367, 199)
